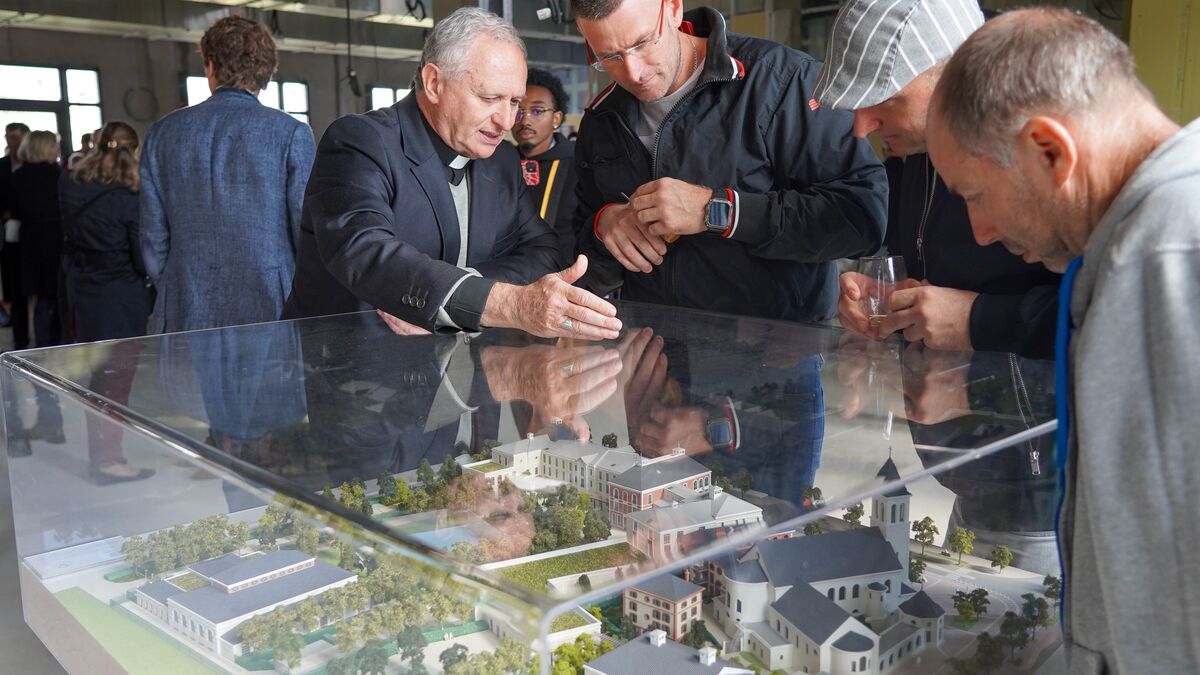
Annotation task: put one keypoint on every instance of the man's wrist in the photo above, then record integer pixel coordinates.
(497, 310)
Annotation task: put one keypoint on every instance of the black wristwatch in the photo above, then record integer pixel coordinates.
(718, 215)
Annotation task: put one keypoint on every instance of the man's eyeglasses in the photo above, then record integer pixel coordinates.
(534, 113)
(603, 63)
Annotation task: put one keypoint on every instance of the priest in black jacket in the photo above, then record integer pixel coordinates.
(419, 210)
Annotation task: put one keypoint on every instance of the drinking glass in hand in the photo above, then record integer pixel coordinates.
(881, 273)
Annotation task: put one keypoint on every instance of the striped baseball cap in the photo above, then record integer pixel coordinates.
(878, 46)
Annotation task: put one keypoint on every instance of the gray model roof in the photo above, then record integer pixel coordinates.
(765, 633)
(810, 612)
(231, 569)
(748, 572)
(905, 589)
(895, 635)
(678, 515)
(876, 586)
(922, 606)
(854, 642)
(660, 473)
(161, 590)
(889, 473)
(668, 586)
(822, 557)
(218, 606)
(639, 656)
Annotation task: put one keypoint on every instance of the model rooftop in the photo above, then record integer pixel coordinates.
(645, 654)
(668, 587)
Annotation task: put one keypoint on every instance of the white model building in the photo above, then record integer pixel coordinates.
(834, 603)
(237, 589)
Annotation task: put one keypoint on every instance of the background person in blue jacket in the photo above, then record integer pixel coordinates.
(222, 186)
(741, 195)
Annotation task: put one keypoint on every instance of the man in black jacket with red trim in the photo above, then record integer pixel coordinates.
(740, 196)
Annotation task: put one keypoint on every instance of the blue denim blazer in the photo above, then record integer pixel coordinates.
(222, 188)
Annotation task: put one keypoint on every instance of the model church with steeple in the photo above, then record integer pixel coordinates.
(835, 602)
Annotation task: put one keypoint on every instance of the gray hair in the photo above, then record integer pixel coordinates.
(1025, 63)
(449, 43)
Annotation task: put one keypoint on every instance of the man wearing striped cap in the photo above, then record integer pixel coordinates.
(884, 59)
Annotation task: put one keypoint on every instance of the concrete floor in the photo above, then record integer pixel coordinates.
(23, 652)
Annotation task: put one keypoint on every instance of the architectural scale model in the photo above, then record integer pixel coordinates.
(234, 590)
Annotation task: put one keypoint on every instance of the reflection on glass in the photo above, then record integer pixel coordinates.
(83, 86)
(295, 97)
(30, 83)
(496, 497)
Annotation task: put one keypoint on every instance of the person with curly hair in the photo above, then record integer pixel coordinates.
(222, 184)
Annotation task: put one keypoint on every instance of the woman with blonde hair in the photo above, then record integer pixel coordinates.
(106, 280)
(34, 202)
(106, 285)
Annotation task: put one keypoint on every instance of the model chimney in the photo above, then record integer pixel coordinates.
(708, 655)
(658, 637)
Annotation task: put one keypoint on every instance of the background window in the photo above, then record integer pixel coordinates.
(290, 97)
(382, 97)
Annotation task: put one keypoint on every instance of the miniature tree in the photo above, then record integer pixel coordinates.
(916, 571)
(743, 479)
(1036, 610)
(697, 635)
(307, 539)
(989, 653)
(1053, 590)
(627, 628)
(609, 440)
(1014, 631)
(425, 473)
(373, 658)
(342, 665)
(419, 500)
(450, 469)
(387, 488)
(595, 611)
(348, 557)
(924, 532)
(137, 555)
(962, 541)
(452, 655)
(1001, 556)
(595, 526)
(813, 528)
(327, 493)
(854, 515)
(411, 643)
(965, 610)
(238, 534)
(979, 599)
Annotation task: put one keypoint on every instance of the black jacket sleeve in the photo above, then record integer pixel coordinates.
(833, 198)
(1024, 324)
(350, 203)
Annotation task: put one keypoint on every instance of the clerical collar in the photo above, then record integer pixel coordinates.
(456, 164)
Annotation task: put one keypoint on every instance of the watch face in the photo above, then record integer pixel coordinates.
(717, 216)
(720, 432)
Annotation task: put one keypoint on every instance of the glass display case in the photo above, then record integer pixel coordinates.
(321, 496)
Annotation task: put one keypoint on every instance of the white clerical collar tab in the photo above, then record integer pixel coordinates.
(459, 162)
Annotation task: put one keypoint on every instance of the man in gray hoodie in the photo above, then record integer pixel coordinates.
(1042, 126)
